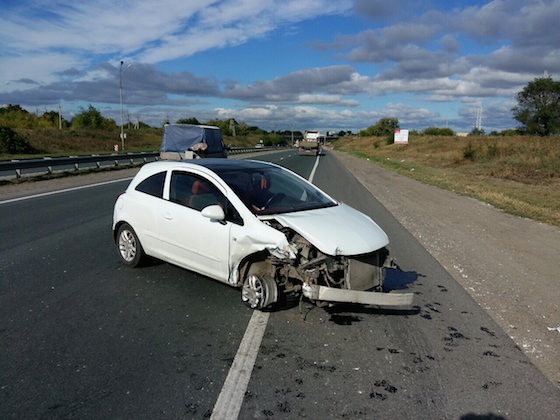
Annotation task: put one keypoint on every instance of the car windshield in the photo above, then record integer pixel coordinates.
(272, 190)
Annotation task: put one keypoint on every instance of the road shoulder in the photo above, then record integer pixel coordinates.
(508, 264)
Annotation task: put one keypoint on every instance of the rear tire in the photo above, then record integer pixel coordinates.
(129, 246)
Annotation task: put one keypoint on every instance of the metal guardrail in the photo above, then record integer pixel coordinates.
(33, 166)
(16, 167)
(239, 150)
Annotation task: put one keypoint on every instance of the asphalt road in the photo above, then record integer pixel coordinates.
(84, 337)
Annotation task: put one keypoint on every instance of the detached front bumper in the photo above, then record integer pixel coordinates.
(329, 294)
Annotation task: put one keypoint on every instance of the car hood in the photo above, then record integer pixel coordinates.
(337, 230)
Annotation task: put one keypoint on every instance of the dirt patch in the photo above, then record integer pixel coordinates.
(509, 265)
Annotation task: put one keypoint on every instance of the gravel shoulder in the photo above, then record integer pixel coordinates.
(509, 265)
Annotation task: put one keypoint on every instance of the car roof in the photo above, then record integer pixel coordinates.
(207, 165)
(221, 164)
(213, 164)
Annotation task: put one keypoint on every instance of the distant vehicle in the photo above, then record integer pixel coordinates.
(189, 141)
(256, 226)
(310, 144)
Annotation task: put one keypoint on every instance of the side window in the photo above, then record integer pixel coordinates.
(197, 193)
(153, 185)
(181, 187)
(192, 191)
(204, 194)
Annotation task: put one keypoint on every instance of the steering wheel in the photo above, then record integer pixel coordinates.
(273, 199)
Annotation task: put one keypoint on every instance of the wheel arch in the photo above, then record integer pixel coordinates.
(257, 262)
(116, 229)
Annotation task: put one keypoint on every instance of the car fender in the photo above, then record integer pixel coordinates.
(252, 238)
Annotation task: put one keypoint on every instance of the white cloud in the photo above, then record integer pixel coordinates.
(484, 51)
(326, 100)
(42, 68)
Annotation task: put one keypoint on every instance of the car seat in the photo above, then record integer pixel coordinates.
(202, 195)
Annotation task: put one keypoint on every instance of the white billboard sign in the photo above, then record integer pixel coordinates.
(401, 136)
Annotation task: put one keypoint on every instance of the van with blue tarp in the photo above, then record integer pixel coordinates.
(189, 141)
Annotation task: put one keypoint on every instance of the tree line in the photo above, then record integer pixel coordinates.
(15, 116)
(537, 110)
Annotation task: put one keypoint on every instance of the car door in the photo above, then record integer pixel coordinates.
(190, 239)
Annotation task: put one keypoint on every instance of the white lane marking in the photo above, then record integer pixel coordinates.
(28, 197)
(312, 175)
(231, 396)
(230, 399)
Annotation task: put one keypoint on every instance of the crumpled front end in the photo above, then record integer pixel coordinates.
(327, 278)
(356, 279)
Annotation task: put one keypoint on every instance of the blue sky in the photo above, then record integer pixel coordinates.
(280, 64)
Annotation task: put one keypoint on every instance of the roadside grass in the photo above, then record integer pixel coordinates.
(520, 175)
(53, 142)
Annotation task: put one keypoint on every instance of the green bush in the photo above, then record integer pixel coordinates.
(436, 131)
(11, 142)
(91, 118)
(493, 151)
(469, 152)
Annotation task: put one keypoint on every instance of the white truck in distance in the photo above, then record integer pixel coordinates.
(310, 144)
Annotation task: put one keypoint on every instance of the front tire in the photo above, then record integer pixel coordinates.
(259, 291)
(130, 249)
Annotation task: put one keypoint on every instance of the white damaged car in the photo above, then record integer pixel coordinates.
(256, 226)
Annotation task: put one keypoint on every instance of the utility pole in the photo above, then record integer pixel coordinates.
(121, 97)
(120, 94)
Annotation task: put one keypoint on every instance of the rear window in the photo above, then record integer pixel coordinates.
(153, 185)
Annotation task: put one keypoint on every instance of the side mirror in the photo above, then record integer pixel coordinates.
(214, 212)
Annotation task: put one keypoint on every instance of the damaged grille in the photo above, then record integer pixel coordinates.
(365, 272)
